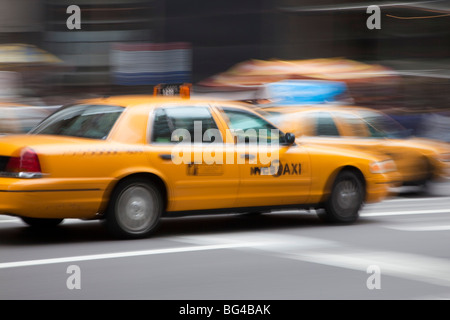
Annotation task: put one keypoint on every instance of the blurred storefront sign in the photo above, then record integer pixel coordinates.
(151, 63)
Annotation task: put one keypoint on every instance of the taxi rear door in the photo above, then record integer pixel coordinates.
(187, 148)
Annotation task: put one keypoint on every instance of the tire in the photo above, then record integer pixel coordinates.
(41, 222)
(346, 199)
(134, 210)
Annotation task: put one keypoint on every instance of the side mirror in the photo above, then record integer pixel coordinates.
(290, 138)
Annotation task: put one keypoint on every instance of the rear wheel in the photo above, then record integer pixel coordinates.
(135, 209)
(346, 199)
(41, 222)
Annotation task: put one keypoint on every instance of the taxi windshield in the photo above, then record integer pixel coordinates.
(383, 126)
(85, 121)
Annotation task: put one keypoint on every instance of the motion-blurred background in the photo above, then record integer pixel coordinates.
(127, 46)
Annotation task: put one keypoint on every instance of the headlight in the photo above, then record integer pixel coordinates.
(444, 157)
(382, 166)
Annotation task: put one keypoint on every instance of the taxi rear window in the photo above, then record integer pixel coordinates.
(85, 121)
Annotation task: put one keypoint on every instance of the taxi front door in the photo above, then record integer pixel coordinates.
(271, 173)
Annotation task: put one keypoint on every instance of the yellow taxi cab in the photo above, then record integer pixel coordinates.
(131, 160)
(418, 160)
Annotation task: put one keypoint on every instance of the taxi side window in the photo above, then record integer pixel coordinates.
(173, 125)
(325, 125)
(374, 133)
(250, 128)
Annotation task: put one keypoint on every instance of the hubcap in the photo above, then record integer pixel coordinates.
(136, 211)
(347, 195)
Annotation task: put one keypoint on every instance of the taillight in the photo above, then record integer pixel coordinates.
(25, 166)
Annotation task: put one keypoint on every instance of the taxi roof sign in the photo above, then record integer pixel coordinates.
(178, 89)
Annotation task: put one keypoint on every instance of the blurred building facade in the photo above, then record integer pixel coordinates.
(103, 23)
(21, 21)
(223, 33)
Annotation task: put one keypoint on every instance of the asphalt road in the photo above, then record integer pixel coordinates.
(397, 250)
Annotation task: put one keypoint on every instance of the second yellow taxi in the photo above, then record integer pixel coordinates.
(418, 160)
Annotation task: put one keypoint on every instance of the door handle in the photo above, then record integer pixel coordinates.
(248, 156)
(165, 156)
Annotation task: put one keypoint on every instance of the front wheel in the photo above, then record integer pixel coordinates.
(134, 210)
(346, 198)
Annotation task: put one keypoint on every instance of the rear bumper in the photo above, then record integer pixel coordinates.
(50, 198)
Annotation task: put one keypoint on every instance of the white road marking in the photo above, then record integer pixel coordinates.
(268, 240)
(400, 213)
(416, 199)
(126, 254)
(422, 268)
(420, 228)
(414, 267)
(431, 270)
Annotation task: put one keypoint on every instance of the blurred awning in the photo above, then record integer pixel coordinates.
(368, 84)
(13, 56)
(254, 72)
